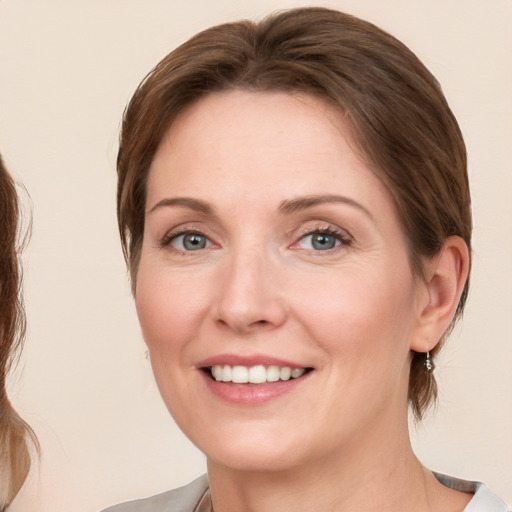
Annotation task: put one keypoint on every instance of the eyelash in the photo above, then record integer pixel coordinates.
(340, 236)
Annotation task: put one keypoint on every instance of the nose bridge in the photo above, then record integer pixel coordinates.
(248, 296)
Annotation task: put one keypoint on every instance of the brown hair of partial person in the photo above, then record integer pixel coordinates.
(15, 458)
(401, 123)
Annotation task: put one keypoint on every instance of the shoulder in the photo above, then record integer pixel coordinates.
(484, 500)
(183, 499)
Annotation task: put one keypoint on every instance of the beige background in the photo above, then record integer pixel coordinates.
(67, 71)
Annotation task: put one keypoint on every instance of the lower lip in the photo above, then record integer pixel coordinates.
(252, 394)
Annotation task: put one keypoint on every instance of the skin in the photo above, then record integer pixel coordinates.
(338, 440)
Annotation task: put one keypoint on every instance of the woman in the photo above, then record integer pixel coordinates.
(14, 454)
(294, 209)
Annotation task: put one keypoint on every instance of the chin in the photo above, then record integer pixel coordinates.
(259, 449)
(253, 460)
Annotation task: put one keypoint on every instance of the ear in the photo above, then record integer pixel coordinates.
(445, 277)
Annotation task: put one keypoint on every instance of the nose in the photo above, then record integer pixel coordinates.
(249, 300)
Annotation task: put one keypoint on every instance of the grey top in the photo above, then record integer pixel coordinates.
(195, 497)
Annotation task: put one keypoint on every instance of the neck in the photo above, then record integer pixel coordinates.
(380, 473)
(377, 473)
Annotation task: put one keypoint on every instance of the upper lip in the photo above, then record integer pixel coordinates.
(248, 360)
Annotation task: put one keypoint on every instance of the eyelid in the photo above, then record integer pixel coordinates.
(323, 227)
(342, 235)
(166, 240)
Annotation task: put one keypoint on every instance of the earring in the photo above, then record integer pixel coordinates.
(146, 354)
(429, 364)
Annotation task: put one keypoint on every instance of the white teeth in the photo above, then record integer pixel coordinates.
(285, 373)
(217, 372)
(273, 373)
(240, 375)
(255, 374)
(297, 372)
(227, 374)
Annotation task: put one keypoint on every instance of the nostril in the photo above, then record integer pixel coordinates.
(260, 323)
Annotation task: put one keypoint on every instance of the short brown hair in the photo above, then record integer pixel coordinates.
(401, 122)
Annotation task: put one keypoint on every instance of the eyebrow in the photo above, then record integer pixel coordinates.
(290, 206)
(286, 207)
(186, 202)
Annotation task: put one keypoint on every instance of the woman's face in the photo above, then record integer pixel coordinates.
(269, 247)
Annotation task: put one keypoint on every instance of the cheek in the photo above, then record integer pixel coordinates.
(168, 307)
(364, 327)
(360, 318)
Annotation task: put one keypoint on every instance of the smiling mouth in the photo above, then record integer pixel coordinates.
(258, 374)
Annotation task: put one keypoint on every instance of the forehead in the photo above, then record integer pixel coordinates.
(240, 137)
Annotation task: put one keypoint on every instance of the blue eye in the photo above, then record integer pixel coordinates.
(319, 241)
(322, 241)
(190, 242)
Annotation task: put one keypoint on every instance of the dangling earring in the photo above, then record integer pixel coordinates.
(146, 354)
(429, 364)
